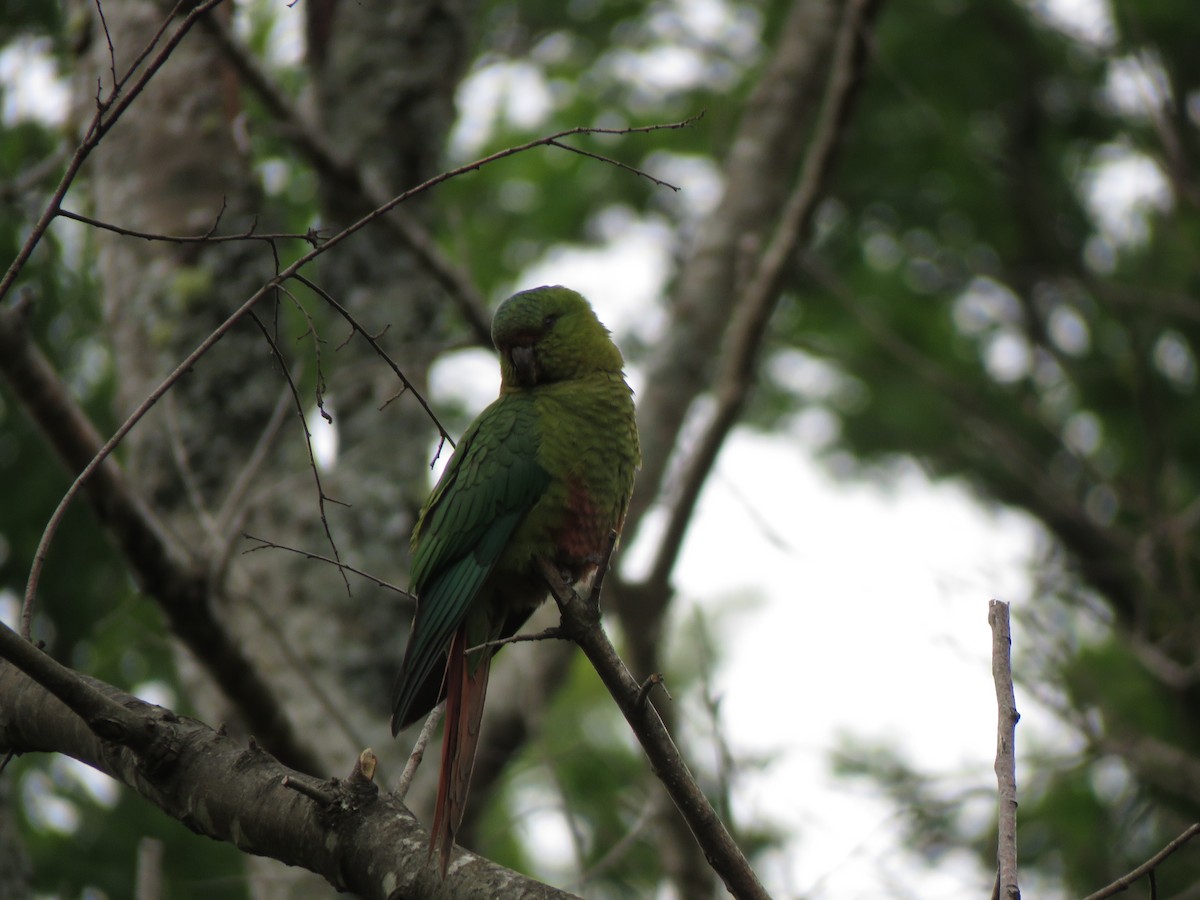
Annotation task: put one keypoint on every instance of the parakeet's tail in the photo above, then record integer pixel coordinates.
(466, 687)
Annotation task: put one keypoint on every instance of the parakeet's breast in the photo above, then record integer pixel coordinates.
(588, 443)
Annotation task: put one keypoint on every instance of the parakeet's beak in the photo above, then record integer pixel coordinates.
(524, 364)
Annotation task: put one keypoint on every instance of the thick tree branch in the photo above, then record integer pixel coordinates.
(346, 831)
(1006, 761)
(581, 623)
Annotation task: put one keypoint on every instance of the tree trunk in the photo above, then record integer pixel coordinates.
(223, 454)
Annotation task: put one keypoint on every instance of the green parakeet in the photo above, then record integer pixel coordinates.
(545, 471)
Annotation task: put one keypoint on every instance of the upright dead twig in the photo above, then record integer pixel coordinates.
(1006, 760)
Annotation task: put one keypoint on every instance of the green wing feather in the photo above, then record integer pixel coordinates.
(490, 484)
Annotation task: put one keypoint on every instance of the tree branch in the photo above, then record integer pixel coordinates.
(1147, 867)
(581, 623)
(362, 841)
(1006, 763)
(755, 303)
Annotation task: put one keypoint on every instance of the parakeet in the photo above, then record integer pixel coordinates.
(545, 471)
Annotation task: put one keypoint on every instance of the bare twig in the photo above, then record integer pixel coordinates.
(323, 798)
(627, 842)
(554, 633)
(1148, 867)
(234, 507)
(264, 544)
(599, 157)
(370, 339)
(148, 882)
(1006, 761)
(310, 237)
(651, 681)
(322, 497)
(418, 751)
(581, 622)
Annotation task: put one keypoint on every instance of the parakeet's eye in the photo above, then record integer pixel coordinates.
(550, 319)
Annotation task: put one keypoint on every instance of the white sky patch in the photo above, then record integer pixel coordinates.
(623, 276)
(285, 40)
(512, 91)
(470, 377)
(33, 90)
(1007, 356)
(157, 692)
(1122, 188)
(324, 436)
(697, 177)
(102, 789)
(1174, 359)
(1090, 22)
(712, 24)
(1137, 85)
(1069, 330)
(663, 69)
(46, 808)
(985, 305)
(10, 608)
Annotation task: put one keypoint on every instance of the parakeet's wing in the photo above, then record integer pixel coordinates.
(490, 484)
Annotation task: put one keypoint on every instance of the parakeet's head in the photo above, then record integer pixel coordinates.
(551, 334)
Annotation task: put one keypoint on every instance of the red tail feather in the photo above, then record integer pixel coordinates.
(465, 692)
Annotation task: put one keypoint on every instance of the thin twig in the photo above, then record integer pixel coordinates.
(318, 795)
(553, 633)
(581, 621)
(614, 162)
(264, 544)
(618, 850)
(418, 751)
(651, 681)
(322, 497)
(370, 339)
(235, 507)
(1148, 867)
(312, 237)
(1006, 760)
(726, 767)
